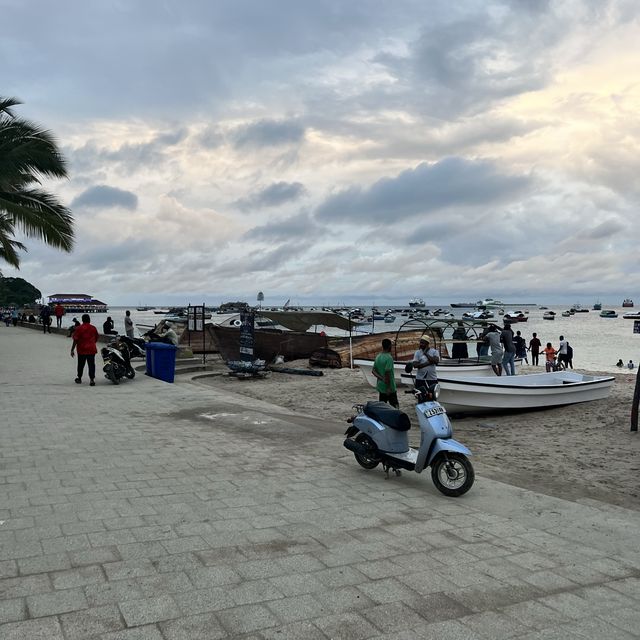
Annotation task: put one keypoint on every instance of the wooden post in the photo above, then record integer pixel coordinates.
(635, 402)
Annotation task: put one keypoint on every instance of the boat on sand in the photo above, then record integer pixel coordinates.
(476, 394)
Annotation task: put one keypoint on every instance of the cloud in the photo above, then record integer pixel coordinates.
(452, 182)
(104, 197)
(268, 133)
(300, 227)
(274, 195)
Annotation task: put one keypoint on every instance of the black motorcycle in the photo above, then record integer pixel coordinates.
(117, 356)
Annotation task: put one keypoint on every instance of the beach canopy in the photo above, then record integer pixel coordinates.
(304, 320)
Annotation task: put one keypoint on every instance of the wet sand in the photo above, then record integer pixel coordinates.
(575, 452)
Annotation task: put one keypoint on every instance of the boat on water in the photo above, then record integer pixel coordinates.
(632, 315)
(489, 303)
(515, 316)
(478, 315)
(549, 315)
(578, 308)
(608, 313)
(145, 308)
(416, 302)
(463, 305)
(479, 394)
(449, 367)
(566, 314)
(597, 306)
(628, 302)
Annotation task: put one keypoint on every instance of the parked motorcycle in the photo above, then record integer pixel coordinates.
(378, 433)
(117, 356)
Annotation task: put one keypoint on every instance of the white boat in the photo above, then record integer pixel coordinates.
(608, 313)
(416, 302)
(478, 315)
(633, 315)
(478, 394)
(549, 315)
(515, 316)
(470, 367)
(490, 303)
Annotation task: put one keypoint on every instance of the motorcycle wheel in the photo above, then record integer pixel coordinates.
(110, 372)
(452, 474)
(131, 374)
(366, 462)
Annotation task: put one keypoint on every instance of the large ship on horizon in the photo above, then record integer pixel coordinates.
(416, 302)
(78, 303)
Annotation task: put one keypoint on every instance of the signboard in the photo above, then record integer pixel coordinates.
(636, 326)
(247, 336)
(195, 318)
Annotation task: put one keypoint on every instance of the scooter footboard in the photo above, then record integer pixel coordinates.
(446, 445)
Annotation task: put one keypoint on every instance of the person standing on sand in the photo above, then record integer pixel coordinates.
(497, 352)
(128, 324)
(508, 359)
(550, 357)
(534, 347)
(45, 316)
(58, 312)
(85, 338)
(425, 360)
(521, 347)
(562, 352)
(383, 372)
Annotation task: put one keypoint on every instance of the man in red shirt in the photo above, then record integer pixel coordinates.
(85, 338)
(58, 312)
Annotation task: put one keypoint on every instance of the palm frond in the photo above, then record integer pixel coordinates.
(40, 215)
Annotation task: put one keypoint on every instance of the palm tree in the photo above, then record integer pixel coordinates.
(29, 154)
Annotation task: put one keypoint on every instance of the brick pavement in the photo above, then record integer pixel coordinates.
(149, 511)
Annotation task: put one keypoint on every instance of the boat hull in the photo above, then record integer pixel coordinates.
(525, 392)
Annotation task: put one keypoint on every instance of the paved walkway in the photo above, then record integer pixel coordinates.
(150, 511)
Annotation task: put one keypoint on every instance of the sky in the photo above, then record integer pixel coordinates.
(335, 151)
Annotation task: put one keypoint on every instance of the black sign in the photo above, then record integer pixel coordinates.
(246, 336)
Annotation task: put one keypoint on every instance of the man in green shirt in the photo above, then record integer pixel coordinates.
(383, 371)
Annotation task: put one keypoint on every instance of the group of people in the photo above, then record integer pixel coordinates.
(505, 347)
(629, 364)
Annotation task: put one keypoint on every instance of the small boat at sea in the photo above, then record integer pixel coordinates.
(597, 306)
(515, 316)
(463, 305)
(608, 313)
(549, 315)
(479, 394)
(578, 308)
(628, 302)
(416, 302)
(566, 314)
(489, 303)
(632, 315)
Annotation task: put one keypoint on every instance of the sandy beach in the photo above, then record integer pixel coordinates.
(574, 452)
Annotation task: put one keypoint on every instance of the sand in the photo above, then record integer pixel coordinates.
(576, 452)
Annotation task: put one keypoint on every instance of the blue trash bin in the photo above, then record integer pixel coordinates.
(161, 360)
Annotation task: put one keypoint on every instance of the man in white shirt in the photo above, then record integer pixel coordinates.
(424, 362)
(562, 352)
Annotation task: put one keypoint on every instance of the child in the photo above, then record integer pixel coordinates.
(550, 355)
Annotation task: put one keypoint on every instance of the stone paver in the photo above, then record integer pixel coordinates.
(149, 511)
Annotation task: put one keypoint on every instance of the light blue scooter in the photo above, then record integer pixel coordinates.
(379, 434)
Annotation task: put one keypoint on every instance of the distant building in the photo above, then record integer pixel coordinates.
(78, 303)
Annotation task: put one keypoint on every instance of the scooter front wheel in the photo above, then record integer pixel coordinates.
(110, 373)
(366, 462)
(453, 474)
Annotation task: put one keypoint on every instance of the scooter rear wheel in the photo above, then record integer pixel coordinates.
(366, 462)
(452, 474)
(131, 373)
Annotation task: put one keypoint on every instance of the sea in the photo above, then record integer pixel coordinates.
(598, 343)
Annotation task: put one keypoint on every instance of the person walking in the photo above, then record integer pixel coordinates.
(425, 360)
(383, 372)
(550, 358)
(497, 352)
(562, 352)
(85, 338)
(45, 316)
(58, 312)
(14, 317)
(521, 347)
(534, 348)
(508, 359)
(128, 324)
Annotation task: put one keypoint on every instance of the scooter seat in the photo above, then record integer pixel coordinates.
(392, 418)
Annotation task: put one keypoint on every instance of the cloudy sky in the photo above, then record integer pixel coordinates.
(336, 150)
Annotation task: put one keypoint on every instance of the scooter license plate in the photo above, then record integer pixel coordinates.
(434, 411)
